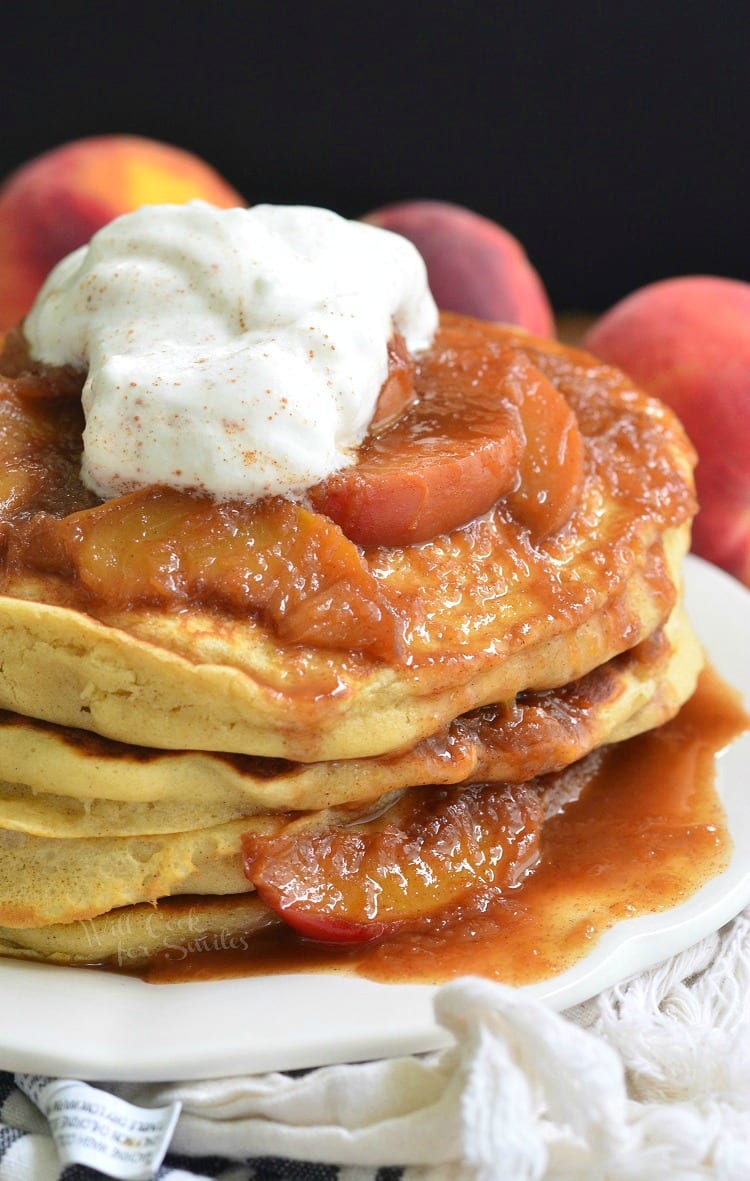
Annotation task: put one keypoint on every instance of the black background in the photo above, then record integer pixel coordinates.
(611, 139)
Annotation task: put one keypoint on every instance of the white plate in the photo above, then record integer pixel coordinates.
(64, 1021)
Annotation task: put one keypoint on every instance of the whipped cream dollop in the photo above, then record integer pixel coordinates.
(236, 352)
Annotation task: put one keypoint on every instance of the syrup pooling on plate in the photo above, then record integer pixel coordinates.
(637, 828)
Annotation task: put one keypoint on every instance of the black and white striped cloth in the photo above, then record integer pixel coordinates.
(28, 1154)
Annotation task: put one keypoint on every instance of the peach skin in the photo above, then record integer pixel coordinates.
(55, 202)
(474, 266)
(687, 340)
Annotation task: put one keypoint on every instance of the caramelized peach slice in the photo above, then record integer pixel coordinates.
(435, 848)
(160, 546)
(398, 388)
(486, 425)
(40, 447)
(33, 379)
(444, 462)
(551, 467)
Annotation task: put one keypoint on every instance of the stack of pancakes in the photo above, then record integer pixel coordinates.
(137, 747)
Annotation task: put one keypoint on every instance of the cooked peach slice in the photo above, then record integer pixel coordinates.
(398, 388)
(159, 545)
(445, 461)
(551, 467)
(486, 425)
(40, 450)
(435, 848)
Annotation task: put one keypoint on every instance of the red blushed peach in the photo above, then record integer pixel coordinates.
(687, 341)
(474, 266)
(54, 203)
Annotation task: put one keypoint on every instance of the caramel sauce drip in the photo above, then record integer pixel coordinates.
(636, 828)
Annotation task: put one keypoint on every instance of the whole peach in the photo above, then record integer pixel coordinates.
(687, 340)
(55, 202)
(474, 266)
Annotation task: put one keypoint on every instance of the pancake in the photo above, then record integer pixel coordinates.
(70, 876)
(63, 667)
(133, 935)
(50, 910)
(61, 878)
(486, 613)
(64, 783)
(44, 880)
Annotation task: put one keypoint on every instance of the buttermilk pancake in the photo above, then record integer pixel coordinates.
(93, 900)
(304, 585)
(59, 782)
(67, 859)
(134, 935)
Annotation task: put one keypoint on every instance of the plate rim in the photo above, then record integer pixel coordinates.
(119, 1028)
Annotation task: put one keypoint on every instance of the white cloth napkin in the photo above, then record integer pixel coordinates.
(649, 1080)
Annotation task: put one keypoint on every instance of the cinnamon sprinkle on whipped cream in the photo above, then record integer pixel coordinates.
(237, 352)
